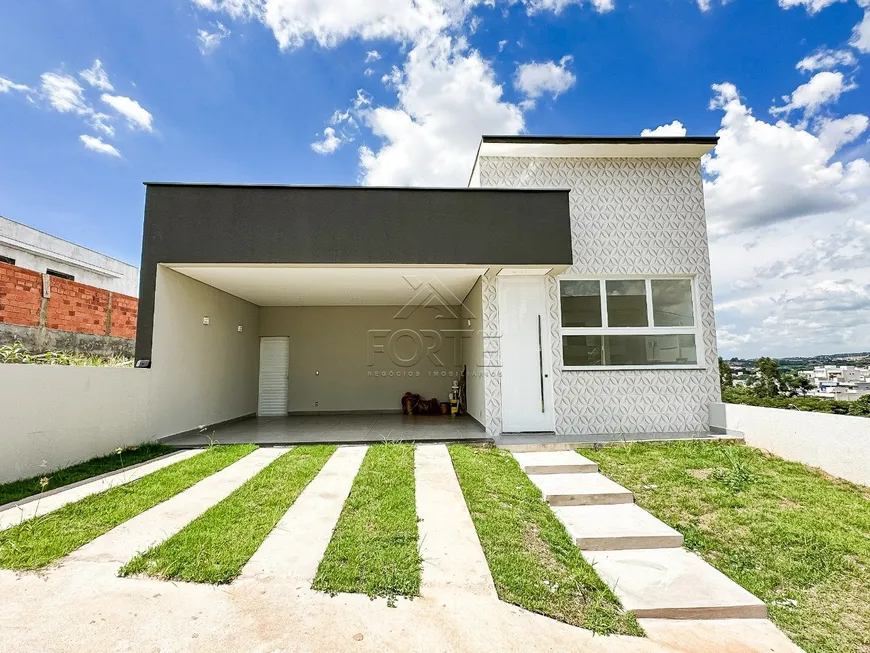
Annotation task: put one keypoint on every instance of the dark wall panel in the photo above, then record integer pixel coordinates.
(340, 225)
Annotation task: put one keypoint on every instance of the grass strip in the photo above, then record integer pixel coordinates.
(373, 549)
(796, 538)
(215, 546)
(128, 456)
(41, 540)
(532, 558)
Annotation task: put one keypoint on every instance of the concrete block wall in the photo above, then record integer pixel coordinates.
(69, 306)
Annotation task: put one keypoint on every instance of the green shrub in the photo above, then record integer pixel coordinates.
(738, 395)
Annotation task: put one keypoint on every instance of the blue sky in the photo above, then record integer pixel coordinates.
(98, 96)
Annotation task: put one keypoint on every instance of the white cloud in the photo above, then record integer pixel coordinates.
(447, 97)
(823, 88)
(765, 173)
(7, 85)
(812, 6)
(534, 79)
(790, 238)
(501, 45)
(329, 22)
(329, 144)
(97, 76)
(556, 6)
(825, 60)
(99, 145)
(372, 55)
(674, 129)
(130, 109)
(64, 93)
(861, 34)
(235, 8)
(209, 41)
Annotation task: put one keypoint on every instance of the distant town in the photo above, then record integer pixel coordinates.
(842, 377)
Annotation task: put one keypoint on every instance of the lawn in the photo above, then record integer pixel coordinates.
(792, 536)
(373, 549)
(532, 558)
(28, 487)
(41, 540)
(215, 546)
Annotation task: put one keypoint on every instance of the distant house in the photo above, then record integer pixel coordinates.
(35, 250)
(56, 295)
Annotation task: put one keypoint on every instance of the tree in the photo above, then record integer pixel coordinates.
(768, 381)
(795, 384)
(726, 376)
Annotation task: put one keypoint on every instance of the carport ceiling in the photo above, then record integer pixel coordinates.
(275, 285)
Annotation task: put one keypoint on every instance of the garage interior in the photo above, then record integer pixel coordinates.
(317, 353)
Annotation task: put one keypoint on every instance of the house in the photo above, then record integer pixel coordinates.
(35, 250)
(59, 296)
(570, 280)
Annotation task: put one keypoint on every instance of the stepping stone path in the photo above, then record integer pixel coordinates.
(638, 556)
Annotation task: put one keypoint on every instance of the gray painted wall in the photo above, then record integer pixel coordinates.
(628, 217)
(337, 341)
(201, 374)
(239, 224)
(39, 251)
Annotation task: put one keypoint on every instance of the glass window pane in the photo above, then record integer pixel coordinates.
(672, 302)
(582, 350)
(650, 350)
(626, 303)
(581, 303)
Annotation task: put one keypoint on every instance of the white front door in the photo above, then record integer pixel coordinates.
(526, 386)
(274, 376)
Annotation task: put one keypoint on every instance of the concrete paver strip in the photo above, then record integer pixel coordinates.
(719, 635)
(580, 489)
(453, 559)
(162, 521)
(44, 505)
(621, 526)
(294, 548)
(673, 584)
(555, 462)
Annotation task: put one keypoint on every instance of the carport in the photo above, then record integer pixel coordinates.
(282, 314)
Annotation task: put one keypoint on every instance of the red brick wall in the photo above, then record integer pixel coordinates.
(20, 295)
(125, 310)
(71, 306)
(77, 307)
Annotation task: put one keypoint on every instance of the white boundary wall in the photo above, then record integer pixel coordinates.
(838, 444)
(66, 414)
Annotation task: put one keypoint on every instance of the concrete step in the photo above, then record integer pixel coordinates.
(616, 527)
(673, 584)
(555, 462)
(580, 489)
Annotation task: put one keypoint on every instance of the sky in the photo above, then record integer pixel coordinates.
(98, 96)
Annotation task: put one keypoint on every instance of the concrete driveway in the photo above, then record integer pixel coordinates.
(82, 605)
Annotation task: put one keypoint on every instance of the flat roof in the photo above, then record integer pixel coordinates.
(610, 140)
(604, 147)
(316, 187)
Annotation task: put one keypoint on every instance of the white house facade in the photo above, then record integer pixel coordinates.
(565, 291)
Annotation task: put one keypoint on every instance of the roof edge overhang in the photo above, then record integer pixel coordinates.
(643, 147)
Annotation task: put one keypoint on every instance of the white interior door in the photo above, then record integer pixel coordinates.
(526, 386)
(274, 376)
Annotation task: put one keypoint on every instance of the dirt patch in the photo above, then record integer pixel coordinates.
(788, 504)
(702, 474)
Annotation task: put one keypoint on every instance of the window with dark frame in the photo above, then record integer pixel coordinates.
(631, 322)
(60, 275)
